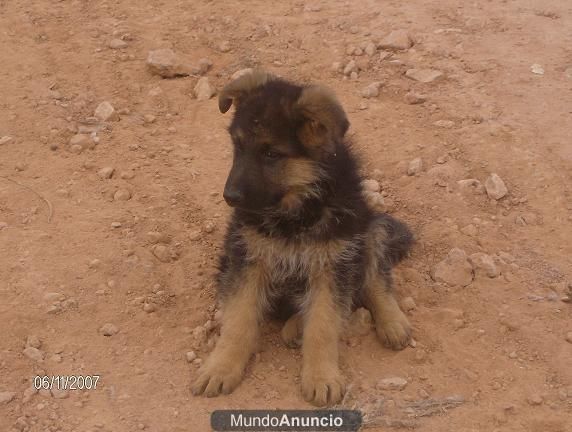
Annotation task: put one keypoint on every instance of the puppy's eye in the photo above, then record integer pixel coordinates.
(268, 154)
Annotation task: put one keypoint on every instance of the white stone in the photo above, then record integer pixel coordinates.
(496, 189)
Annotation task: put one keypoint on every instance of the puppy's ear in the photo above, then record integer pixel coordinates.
(324, 120)
(241, 86)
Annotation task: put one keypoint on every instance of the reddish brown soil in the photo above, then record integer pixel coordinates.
(498, 342)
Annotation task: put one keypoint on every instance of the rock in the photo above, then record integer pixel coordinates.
(209, 227)
(454, 270)
(423, 75)
(495, 187)
(371, 185)
(408, 304)
(199, 335)
(29, 393)
(470, 230)
(158, 237)
(195, 235)
(534, 399)
(395, 383)
(447, 124)
(350, 67)
(115, 224)
(414, 167)
(33, 341)
(149, 118)
(108, 329)
(164, 62)
(162, 253)
(203, 90)
(484, 263)
(117, 44)
(53, 297)
(205, 65)
(371, 90)
(537, 69)
(413, 98)
(33, 353)
(5, 139)
(127, 175)
(122, 195)
(569, 337)
(337, 67)
(190, 356)
(6, 397)
(149, 307)
(397, 40)
(360, 322)
(471, 185)
(224, 46)
(106, 172)
(526, 219)
(105, 112)
(81, 142)
(370, 49)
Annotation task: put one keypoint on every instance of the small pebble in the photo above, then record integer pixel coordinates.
(224, 46)
(117, 44)
(162, 253)
(33, 341)
(413, 98)
(115, 224)
(371, 91)
(397, 40)
(495, 187)
(164, 62)
(537, 69)
(534, 400)
(414, 167)
(108, 329)
(33, 353)
(408, 304)
(149, 307)
(395, 383)
(423, 75)
(209, 227)
(105, 112)
(569, 337)
(122, 195)
(5, 139)
(6, 397)
(190, 356)
(203, 90)
(106, 172)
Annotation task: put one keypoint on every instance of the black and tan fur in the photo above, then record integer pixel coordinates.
(302, 244)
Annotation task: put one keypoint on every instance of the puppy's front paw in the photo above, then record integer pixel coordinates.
(216, 378)
(322, 388)
(394, 333)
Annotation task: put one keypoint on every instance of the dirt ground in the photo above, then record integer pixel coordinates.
(501, 344)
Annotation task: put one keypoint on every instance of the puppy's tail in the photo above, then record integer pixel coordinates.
(398, 239)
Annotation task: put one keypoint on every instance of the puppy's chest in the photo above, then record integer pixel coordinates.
(284, 259)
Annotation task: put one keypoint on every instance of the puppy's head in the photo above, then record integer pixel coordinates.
(282, 135)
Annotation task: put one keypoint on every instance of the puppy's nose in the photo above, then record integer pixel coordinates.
(233, 197)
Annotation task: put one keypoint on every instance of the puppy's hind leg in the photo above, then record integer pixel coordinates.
(391, 324)
(292, 331)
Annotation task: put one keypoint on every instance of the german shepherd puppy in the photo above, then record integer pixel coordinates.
(302, 243)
